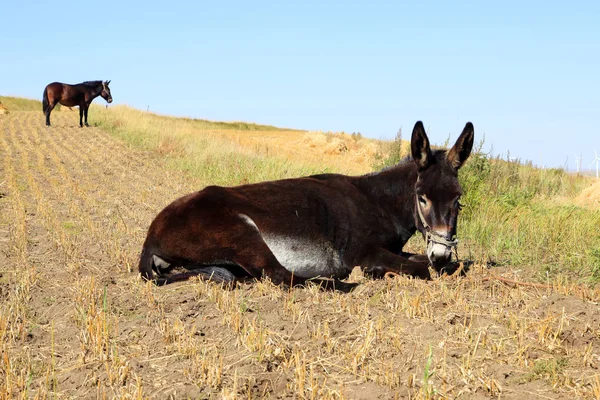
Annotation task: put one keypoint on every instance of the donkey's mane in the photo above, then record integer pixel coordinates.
(438, 156)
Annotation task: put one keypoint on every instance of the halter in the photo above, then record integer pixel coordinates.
(433, 236)
(105, 90)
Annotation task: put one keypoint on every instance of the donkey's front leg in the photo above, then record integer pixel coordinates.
(381, 261)
(449, 268)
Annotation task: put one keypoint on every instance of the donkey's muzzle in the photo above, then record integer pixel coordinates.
(439, 249)
(439, 255)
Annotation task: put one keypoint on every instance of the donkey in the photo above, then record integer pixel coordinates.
(80, 95)
(319, 226)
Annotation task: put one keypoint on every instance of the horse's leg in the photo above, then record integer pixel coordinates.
(51, 106)
(85, 112)
(81, 116)
(382, 261)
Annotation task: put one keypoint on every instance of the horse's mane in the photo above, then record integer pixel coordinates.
(92, 83)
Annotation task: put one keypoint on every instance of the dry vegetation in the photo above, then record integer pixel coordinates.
(3, 109)
(77, 322)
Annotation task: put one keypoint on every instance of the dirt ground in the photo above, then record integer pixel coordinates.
(76, 321)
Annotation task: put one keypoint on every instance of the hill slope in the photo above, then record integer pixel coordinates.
(77, 322)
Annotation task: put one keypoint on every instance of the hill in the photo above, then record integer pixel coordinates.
(20, 104)
(260, 150)
(76, 321)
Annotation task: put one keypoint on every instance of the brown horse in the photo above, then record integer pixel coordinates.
(292, 230)
(80, 95)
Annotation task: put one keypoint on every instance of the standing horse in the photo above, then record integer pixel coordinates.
(80, 95)
(292, 230)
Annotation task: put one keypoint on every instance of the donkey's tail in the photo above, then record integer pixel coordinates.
(146, 264)
(45, 103)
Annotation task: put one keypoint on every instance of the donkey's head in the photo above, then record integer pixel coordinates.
(106, 92)
(438, 191)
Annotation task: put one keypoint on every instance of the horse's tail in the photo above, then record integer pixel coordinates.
(45, 103)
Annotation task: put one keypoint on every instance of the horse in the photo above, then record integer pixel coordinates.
(315, 227)
(81, 94)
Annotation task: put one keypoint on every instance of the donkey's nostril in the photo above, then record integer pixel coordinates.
(438, 254)
(438, 258)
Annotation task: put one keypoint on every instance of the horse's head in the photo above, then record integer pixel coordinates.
(438, 191)
(106, 92)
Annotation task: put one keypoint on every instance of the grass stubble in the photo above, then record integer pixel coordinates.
(76, 321)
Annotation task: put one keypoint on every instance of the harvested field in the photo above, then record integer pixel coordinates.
(76, 321)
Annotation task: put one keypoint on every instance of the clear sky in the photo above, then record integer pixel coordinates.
(526, 73)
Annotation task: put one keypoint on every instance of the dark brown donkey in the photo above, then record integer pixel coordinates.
(80, 95)
(292, 230)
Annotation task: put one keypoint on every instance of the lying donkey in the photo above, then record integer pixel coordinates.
(292, 230)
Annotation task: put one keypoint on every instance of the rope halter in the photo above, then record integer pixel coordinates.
(431, 235)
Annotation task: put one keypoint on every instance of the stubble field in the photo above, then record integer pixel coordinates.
(76, 321)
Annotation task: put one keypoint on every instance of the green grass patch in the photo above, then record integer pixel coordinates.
(523, 217)
(546, 369)
(512, 218)
(70, 227)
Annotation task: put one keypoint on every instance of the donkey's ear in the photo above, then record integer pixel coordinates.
(461, 150)
(419, 146)
(107, 82)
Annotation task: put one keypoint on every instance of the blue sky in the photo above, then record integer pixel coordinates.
(526, 73)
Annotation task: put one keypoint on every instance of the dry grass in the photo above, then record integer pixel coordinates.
(590, 196)
(77, 322)
(20, 104)
(230, 153)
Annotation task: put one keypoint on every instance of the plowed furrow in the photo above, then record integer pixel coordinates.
(88, 217)
(140, 193)
(37, 273)
(62, 246)
(51, 211)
